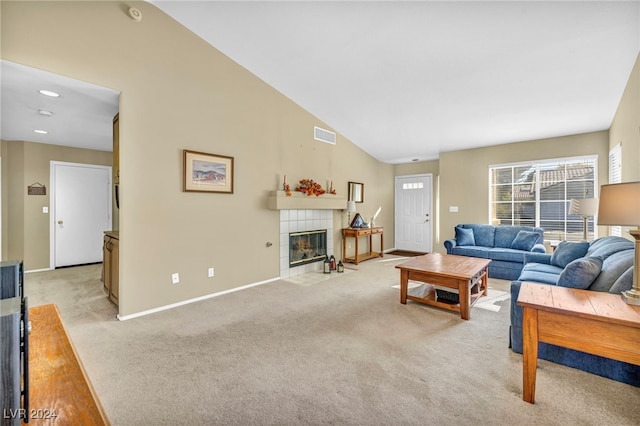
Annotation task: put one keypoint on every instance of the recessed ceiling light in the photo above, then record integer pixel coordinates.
(42, 132)
(45, 112)
(49, 93)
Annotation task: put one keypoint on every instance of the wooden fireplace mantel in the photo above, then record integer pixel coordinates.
(278, 200)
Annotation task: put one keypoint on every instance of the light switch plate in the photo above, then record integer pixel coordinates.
(453, 209)
(45, 209)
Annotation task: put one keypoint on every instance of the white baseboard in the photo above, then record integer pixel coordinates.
(38, 270)
(197, 299)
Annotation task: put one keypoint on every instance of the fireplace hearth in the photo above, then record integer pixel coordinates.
(307, 247)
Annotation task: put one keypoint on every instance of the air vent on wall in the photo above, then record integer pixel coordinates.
(324, 135)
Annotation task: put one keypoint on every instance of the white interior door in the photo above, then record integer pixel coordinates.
(413, 215)
(81, 204)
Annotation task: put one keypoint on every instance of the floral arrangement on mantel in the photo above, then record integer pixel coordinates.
(309, 187)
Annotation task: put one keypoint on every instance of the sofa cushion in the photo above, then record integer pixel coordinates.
(623, 283)
(505, 235)
(464, 237)
(612, 268)
(605, 241)
(607, 250)
(542, 267)
(507, 254)
(525, 240)
(473, 251)
(567, 252)
(483, 234)
(541, 273)
(580, 273)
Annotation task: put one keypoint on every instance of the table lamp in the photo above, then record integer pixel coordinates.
(585, 207)
(351, 208)
(620, 206)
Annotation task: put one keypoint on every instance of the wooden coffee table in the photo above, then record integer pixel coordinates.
(465, 275)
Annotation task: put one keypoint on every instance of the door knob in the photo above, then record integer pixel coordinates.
(427, 217)
(59, 222)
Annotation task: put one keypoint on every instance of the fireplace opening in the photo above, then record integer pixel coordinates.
(307, 247)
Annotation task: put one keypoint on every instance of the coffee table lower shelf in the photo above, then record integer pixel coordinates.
(427, 294)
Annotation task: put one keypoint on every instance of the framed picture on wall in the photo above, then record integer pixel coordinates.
(207, 172)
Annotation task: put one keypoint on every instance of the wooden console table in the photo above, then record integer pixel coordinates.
(60, 392)
(356, 233)
(587, 321)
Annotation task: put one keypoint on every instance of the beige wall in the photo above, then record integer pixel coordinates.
(626, 127)
(12, 200)
(464, 175)
(27, 237)
(179, 93)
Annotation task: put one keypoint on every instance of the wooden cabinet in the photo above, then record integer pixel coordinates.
(356, 233)
(111, 265)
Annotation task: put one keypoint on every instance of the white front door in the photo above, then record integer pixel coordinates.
(81, 212)
(413, 215)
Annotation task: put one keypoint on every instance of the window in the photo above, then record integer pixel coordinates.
(414, 185)
(539, 194)
(615, 176)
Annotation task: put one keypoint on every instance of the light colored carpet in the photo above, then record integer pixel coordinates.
(343, 351)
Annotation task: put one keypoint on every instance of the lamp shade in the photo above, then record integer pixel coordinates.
(584, 207)
(351, 206)
(620, 204)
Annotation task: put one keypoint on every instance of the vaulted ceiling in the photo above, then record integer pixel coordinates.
(408, 80)
(403, 80)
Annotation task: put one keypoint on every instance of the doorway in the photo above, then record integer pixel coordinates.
(80, 212)
(414, 213)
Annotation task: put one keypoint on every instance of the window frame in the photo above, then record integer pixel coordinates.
(539, 165)
(615, 176)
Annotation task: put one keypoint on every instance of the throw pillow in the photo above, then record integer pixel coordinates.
(581, 273)
(525, 240)
(567, 252)
(464, 237)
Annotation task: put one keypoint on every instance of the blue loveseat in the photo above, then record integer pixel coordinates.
(506, 246)
(603, 265)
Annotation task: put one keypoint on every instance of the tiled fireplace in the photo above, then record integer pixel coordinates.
(294, 221)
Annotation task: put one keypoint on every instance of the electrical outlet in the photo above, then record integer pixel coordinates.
(175, 278)
(211, 272)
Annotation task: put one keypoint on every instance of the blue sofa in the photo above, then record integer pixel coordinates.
(603, 265)
(506, 246)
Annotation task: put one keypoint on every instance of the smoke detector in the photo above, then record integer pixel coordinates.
(135, 14)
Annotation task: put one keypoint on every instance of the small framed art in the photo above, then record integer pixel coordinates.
(207, 172)
(358, 222)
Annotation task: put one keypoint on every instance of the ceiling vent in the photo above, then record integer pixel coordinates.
(324, 135)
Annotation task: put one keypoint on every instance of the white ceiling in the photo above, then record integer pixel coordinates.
(402, 80)
(408, 80)
(82, 115)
